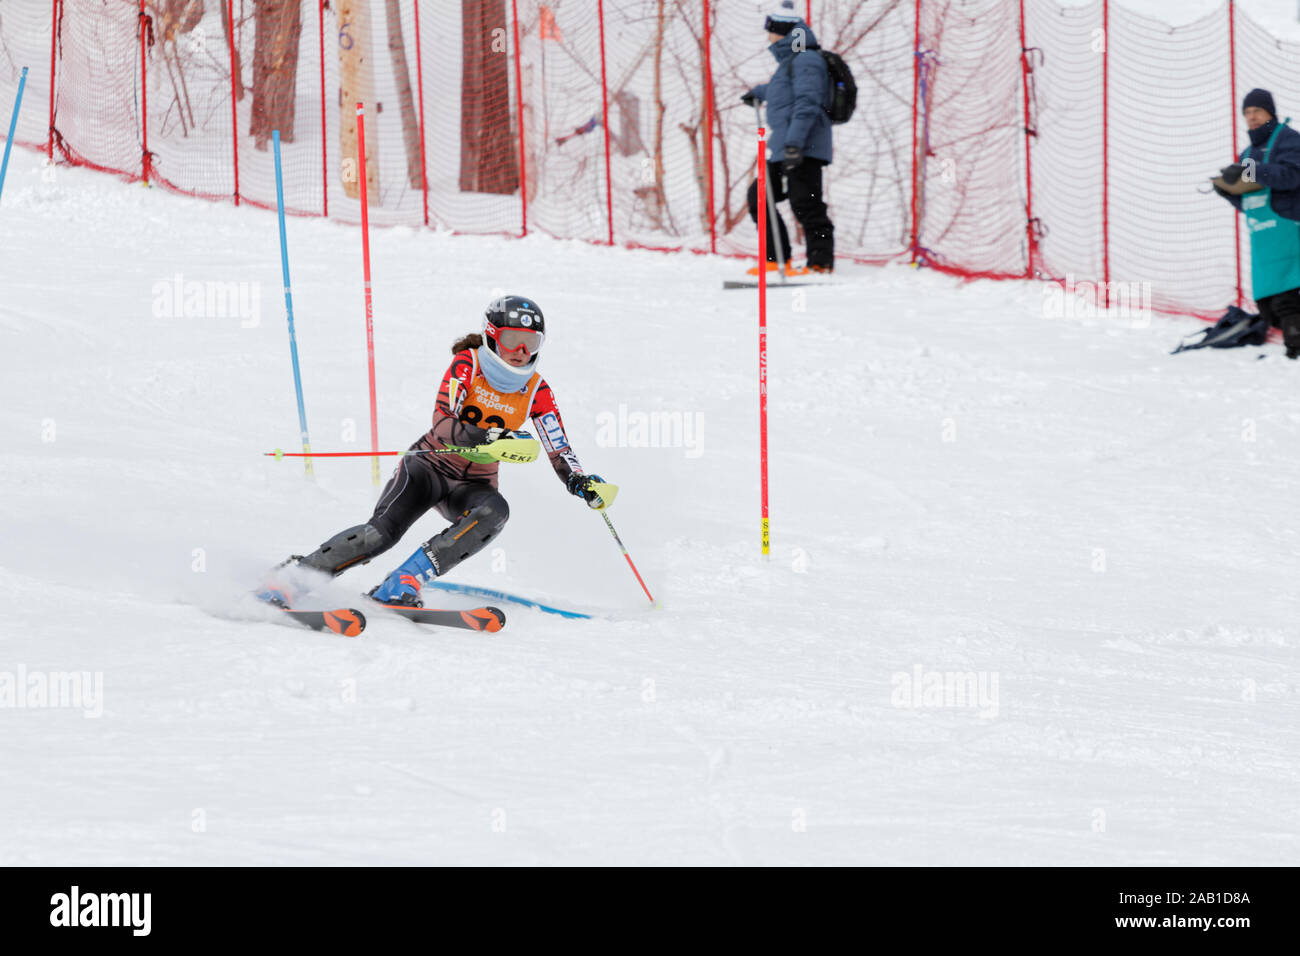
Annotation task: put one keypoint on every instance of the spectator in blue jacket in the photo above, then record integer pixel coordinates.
(1273, 162)
(799, 139)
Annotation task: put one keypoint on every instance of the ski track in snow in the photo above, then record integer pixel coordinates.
(958, 484)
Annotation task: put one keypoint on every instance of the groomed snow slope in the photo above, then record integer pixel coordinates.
(959, 484)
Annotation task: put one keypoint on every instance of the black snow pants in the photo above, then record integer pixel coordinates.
(803, 187)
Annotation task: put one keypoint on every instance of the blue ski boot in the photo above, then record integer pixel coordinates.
(403, 585)
(276, 589)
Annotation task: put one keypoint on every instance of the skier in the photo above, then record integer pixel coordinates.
(491, 389)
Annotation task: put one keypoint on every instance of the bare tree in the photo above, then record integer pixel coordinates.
(402, 72)
(489, 162)
(275, 68)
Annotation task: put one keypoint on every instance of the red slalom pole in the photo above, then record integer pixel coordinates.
(370, 308)
(610, 525)
(762, 339)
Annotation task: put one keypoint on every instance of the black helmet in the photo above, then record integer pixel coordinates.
(514, 312)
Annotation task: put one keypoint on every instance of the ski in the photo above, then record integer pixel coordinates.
(347, 621)
(771, 285)
(504, 596)
(474, 619)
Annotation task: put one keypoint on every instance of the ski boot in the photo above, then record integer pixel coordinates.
(403, 585)
(276, 589)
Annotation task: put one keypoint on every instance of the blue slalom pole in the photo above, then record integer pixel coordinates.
(13, 124)
(288, 305)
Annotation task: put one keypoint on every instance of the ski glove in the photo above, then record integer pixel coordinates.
(749, 99)
(793, 157)
(580, 486)
(1232, 174)
(495, 434)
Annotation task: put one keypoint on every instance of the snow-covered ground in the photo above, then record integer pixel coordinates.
(1099, 534)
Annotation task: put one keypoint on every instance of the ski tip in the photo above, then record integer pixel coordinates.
(346, 621)
(490, 619)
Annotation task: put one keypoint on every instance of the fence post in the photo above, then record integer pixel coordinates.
(324, 138)
(916, 92)
(419, 79)
(604, 110)
(234, 109)
(1031, 242)
(519, 96)
(709, 128)
(1232, 82)
(1105, 152)
(144, 21)
(54, 42)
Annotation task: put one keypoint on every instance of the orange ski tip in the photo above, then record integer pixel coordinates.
(343, 622)
(484, 619)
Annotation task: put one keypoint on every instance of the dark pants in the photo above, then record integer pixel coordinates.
(1283, 312)
(803, 187)
(476, 509)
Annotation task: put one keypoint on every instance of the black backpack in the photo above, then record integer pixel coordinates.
(1237, 328)
(844, 90)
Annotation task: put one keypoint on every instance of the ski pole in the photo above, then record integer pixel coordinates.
(622, 547)
(772, 216)
(13, 124)
(288, 306)
(510, 450)
(278, 453)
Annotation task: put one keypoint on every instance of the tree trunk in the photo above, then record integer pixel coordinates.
(489, 161)
(275, 68)
(410, 121)
(357, 85)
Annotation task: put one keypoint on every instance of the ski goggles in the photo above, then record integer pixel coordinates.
(514, 340)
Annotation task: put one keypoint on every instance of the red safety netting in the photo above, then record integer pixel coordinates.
(25, 42)
(1262, 61)
(992, 137)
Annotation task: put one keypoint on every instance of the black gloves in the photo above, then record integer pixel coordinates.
(749, 99)
(793, 157)
(580, 486)
(1232, 174)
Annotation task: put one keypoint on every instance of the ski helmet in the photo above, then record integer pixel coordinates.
(514, 322)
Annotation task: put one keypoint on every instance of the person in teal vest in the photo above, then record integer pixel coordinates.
(1272, 161)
